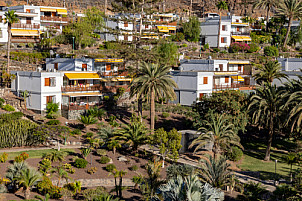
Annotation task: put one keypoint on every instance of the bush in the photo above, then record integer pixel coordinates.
(215, 50)
(51, 110)
(3, 157)
(2, 101)
(253, 48)
(271, 51)
(110, 167)
(89, 135)
(206, 46)
(101, 152)
(104, 160)
(46, 187)
(53, 122)
(21, 157)
(92, 170)
(165, 115)
(44, 166)
(133, 168)
(80, 163)
(178, 37)
(11, 116)
(8, 107)
(235, 154)
(238, 47)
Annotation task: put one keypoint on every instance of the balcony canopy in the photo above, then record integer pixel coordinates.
(241, 38)
(238, 78)
(22, 32)
(62, 11)
(82, 76)
(239, 62)
(82, 94)
(48, 9)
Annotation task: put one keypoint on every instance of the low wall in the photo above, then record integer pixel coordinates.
(88, 183)
(72, 114)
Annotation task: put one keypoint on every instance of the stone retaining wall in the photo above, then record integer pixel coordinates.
(89, 183)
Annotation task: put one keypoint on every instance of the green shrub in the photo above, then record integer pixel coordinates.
(194, 49)
(104, 160)
(8, 107)
(89, 135)
(206, 46)
(76, 132)
(110, 167)
(133, 168)
(165, 115)
(184, 45)
(215, 50)
(3, 157)
(253, 48)
(22, 157)
(80, 163)
(92, 170)
(235, 154)
(51, 110)
(178, 37)
(44, 166)
(11, 117)
(101, 152)
(46, 187)
(2, 101)
(271, 51)
(53, 122)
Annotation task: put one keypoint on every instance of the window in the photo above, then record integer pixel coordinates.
(27, 10)
(147, 26)
(224, 27)
(56, 66)
(108, 66)
(201, 95)
(238, 29)
(50, 82)
(126, 37)
(50, 99)
(224, 40)
(205, 80)
(84, 67)
(220, 67)
(226, 79)
(239, 67)
(125, 24)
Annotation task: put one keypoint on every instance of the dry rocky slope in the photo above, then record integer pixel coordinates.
(181, 7)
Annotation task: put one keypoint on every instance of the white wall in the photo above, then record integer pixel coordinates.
(223, 62)
(225, 34)
(79, 62)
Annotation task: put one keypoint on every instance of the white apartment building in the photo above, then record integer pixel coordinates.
(197, 78)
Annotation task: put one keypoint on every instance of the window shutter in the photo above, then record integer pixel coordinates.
(108, 66)
(47, 82)
(226, 79)
(125, 24)
(220, 67)
(205, 80)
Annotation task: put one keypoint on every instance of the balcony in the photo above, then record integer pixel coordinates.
(233, 86)
(240, 33)
(25, 26)
(54, 19)
(112, 74)
(78, 107)
(72, 88)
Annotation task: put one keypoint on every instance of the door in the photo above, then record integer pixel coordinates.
(28, 20)
(220, 67)
(108, 66)
(239, 68)
(84, 67)
(227, 80)
(56, 66)
(238, 29)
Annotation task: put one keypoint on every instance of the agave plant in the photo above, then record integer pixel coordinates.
(87, 120)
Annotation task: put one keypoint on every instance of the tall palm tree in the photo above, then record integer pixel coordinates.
(87, 120)
(291, 9)
(215, 171)
(267, 5)
(221, 5)
(10, 18)
(134, 135)
(28, 178)
(153, 81)
(55, 156)
(218, 131)
(266, 106)
(268, 72)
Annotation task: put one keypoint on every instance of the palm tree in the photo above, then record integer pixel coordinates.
(134, 135)
(14, 171)
(118, 185)
(153, 81)
(221, 5)
(215, 171)
(87, 120)
(10, 18)
(55, 156)
(266, 107)
(153, 172)
(106, 133)
(61, 174)
(218, 131)
(28, 178)
(268, 72)
(114, 144)
(290, 159)
(267, 5)
(291, 9)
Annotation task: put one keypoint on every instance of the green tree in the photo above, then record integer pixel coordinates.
(183, 170)
(168, 143)
(219, 132)
(167, 52)
(106, 133)
(265, 109)
(134, 135)
(266, 4)
(87, 120)
(114, 144)
(192, 29)
(268, 72)
(291, 159)
(55, 156)
(291, 9)
(61, 173)
(10, 18)
(221, 5)
(28, 178)
(153, 81)
(215, 171)
(119, 185)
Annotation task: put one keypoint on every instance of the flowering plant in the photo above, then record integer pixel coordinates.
(239, 47)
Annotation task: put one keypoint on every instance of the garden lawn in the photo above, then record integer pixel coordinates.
(253, 161)
(35, 153)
